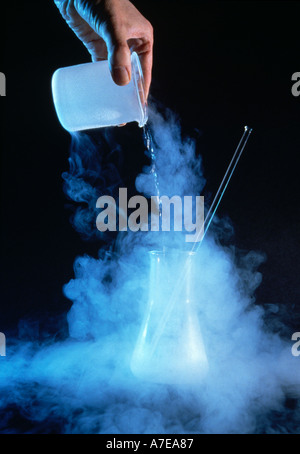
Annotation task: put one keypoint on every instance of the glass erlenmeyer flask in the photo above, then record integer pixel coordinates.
(170, 348)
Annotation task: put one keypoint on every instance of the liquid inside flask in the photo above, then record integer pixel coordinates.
(170, 346)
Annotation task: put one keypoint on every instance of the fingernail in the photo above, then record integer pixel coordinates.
(120, 75)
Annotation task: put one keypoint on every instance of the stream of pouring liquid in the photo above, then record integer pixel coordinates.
(151, 152)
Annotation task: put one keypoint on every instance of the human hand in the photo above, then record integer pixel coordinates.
(112, 29)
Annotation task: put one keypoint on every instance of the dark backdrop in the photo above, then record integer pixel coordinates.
(219, 66)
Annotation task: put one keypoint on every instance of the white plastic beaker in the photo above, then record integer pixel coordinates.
(86, 97)
(170, 347)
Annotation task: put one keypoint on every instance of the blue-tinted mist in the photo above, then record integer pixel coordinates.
(84, 384)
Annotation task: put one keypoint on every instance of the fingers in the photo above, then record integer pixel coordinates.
(97, 49)
(124, 29)
(146, 64)
(112, 29)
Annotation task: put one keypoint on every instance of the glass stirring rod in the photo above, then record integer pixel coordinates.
(222, 188)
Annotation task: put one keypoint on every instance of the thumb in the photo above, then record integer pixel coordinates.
(119, 57)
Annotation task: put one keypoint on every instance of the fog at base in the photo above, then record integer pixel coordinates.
(86, 382)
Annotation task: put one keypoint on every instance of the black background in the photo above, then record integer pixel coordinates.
(219, 66)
